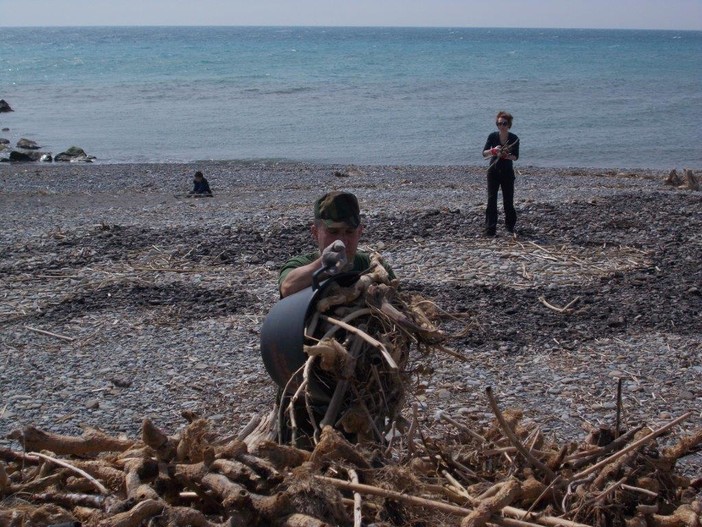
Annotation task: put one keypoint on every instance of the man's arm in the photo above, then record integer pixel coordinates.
(299, 278)
(297, 274)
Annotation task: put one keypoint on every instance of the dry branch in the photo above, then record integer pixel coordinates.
(445, 507)
(509, 433)
(136, 516)
(50, 334)
(69, 466)
(647, 439)
(567, 309)
(370, 340)
(91, 442)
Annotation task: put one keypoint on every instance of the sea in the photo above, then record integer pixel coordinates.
(352, 95)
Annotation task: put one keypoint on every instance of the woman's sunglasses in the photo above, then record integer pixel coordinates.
(502, 123)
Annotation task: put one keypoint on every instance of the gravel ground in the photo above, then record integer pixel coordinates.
(121, 299)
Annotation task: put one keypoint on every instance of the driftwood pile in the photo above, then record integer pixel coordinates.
(364, 462)
(504, 474)
(686, 182)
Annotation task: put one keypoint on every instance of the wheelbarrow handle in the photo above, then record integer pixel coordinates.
(316, 276)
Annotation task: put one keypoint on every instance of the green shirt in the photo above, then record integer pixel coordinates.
(361, 262)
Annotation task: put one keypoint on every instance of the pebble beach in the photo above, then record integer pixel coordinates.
(123, 299)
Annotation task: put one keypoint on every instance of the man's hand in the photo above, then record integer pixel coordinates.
(334, 257)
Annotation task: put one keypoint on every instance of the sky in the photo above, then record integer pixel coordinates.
(606, 14)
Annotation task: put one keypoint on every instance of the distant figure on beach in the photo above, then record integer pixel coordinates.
(201, 188)
(502, 147)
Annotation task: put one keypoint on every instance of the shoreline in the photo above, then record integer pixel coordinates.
(120, 193)
(284, 161)
(256, 168)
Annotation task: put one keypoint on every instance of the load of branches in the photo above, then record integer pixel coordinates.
(358, 339)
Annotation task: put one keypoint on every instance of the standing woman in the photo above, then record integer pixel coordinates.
(502, 147)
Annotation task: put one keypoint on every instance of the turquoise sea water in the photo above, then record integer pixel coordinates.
(591, 98)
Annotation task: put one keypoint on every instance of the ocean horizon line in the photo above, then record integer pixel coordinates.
(354, 27)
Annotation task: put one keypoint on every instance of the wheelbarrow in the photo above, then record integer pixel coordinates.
(283, 336)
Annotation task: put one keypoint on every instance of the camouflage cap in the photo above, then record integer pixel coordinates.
(338, 206)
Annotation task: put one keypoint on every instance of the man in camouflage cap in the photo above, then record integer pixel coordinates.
(336, 230)
(338, 207)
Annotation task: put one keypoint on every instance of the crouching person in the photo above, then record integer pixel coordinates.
(201, 188)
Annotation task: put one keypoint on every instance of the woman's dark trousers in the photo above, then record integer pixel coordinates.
(495, 181)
